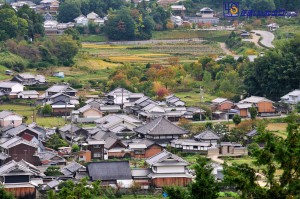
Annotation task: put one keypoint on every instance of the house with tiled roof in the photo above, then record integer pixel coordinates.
(168, 169)
(263, 105)
(160, 130)
(28, 79)
(143, 148)
(18, 149)
(20, 178)
(111, 173)
(72, 168)
(292, 97)
(8, 118)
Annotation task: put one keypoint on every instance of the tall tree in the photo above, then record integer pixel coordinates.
(68, 12)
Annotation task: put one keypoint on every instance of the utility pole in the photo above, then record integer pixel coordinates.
(33, 119)
(201, 96)
(122, 105)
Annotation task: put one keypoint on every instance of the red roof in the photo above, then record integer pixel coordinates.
(27, 137)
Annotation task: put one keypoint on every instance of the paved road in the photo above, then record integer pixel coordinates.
(151, 41)
(267, 38)
(217, 121)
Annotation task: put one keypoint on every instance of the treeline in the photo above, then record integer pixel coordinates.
(20, 54)
(25, 23)
(277, 73)
(125, 21)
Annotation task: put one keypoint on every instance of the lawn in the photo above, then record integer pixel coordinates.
(27, 111)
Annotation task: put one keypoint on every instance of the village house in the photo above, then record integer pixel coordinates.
(168, 169)
(28, 79)
(8, 118)
(50, 157)
(161, 131)
(172, 100)
(96, 148)
(115, 148)
(88, 111)
(111, 173)
(11, 89)
(143, 148)
(20, 178)
(119, 124)
(81, 21)
(292, 97)
(123, 97)
(60, 88)
(71, 133)
(221, 104)
(264, 106)
(205, 16)
(17, 5)
(232, 149)
(140, 176)
(72, 169)
(18, 149)
(204, 143)
(272, 26)
(49, 6)
(28, 94)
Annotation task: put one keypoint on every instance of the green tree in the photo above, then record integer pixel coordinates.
(273, 75)
(176, 192)
(47, 109)
(55, 142)
(253, 113)
(120, 26)
(236, 119)
(204, 184)
(68, 11)
(5, 195)
(277, 153)
(11, 25)
(81, 189)
(53, 171)
(65, 49)
(75, 148)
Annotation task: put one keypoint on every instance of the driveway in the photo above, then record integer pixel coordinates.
(267, 38)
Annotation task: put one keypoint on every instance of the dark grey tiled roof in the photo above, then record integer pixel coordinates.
(109, 170)
(207, 135)
(160, 126)
(71, 168)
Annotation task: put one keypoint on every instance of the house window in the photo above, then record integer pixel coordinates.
(81, 156)
(195, 147)
(97, 155)
(139, 152)
(97, 146)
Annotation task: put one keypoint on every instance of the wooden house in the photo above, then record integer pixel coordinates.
(168, 169)
(144, 148)
(161, 131)
(20, 178)
(111, 173)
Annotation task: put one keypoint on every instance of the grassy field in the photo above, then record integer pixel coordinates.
(192, 98)
(287, 31)
(93, 38)
(27, 111)
(2, 73)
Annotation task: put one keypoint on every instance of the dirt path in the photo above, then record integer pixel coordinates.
(225, 49)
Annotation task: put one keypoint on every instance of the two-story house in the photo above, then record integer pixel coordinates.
(263, 105)
(292, 97)
(161, 131)
(168, 169)
(20, 178)
(11, 88)
(28, 79)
